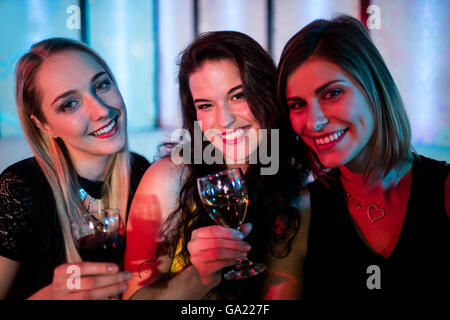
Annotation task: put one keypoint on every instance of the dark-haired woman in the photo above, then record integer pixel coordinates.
(379, 213)
(74, 119)
(227, 88)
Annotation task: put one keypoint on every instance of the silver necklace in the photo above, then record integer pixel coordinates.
(89, 202)
(374, 211)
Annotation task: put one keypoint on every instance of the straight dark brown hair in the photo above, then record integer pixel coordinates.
(345, 42)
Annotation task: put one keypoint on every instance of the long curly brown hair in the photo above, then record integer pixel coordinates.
(271, 210)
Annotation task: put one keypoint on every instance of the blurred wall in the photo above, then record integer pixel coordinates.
(141, 41)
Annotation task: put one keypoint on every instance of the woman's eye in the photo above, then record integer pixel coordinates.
(102, 85)
(298, 105)
(331, 94)
(203, 106)
(68, 106)
(238, 96)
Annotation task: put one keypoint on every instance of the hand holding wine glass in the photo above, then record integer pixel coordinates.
(225, 197)
(213, 248)
(99, 237)
(95, 281)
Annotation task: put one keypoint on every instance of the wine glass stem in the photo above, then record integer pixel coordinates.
(243, 263)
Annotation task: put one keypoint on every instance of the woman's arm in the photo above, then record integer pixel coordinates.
(211, 248)
(284, 277)
(8, 270)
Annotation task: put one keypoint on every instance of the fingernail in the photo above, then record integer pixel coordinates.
(112, 268)
(238, 234)
(246, 247)
(123, 286)
(128, 275)
(242, 255)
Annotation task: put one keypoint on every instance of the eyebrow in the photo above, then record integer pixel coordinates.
(317, 91)
(234, 89)
(68, 93)
(324, 86)
(229, 92)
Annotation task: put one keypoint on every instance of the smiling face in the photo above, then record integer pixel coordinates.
(221, 107)
(81, 105)
(330, 114)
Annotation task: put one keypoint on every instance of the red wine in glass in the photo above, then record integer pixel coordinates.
(99, 236)
(101, 247)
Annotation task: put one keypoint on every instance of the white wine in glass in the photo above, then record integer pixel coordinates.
(225, 197)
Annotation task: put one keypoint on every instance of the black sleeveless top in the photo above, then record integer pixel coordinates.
(338, 263)
(29, 226)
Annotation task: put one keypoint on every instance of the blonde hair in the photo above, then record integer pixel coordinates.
(52, 155)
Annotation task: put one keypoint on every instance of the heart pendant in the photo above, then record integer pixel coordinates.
(374, 212)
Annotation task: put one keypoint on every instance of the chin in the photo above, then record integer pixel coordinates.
(241, 156)
(332, 161)
(112, 149)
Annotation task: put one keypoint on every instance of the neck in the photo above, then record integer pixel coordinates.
(91, 168)
(392, 178)
(243, 167)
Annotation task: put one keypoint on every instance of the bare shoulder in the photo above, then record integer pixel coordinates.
(160, 187)
(166, 172)
(8, 270)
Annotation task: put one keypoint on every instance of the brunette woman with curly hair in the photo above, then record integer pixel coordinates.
(227, 85)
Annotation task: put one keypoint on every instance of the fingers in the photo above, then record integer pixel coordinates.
(214, 243)
(89, 280)
(93, 282)
(100, 293)
(216, 254)
(97, 268)
(216, 232)
(246, 228)
(212, 267)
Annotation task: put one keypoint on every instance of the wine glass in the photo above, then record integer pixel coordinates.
(99, 236)
(224, 196)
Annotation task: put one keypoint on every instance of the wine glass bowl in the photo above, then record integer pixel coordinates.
(99, 236)
(225, 197)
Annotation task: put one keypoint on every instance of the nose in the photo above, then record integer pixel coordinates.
(96, 108)
(316, 119)
(224, 116)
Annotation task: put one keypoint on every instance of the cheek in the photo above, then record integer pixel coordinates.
(72, 127)
(370, 122)
(206, 120)
(113, 98)
(246, 113)
(297, 122)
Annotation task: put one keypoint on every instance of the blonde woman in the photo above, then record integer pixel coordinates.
(74, 119)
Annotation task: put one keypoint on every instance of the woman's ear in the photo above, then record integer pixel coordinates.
(44, 127)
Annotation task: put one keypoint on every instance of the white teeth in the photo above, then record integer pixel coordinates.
(329, 138)
(105, 130)
(235, 134)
